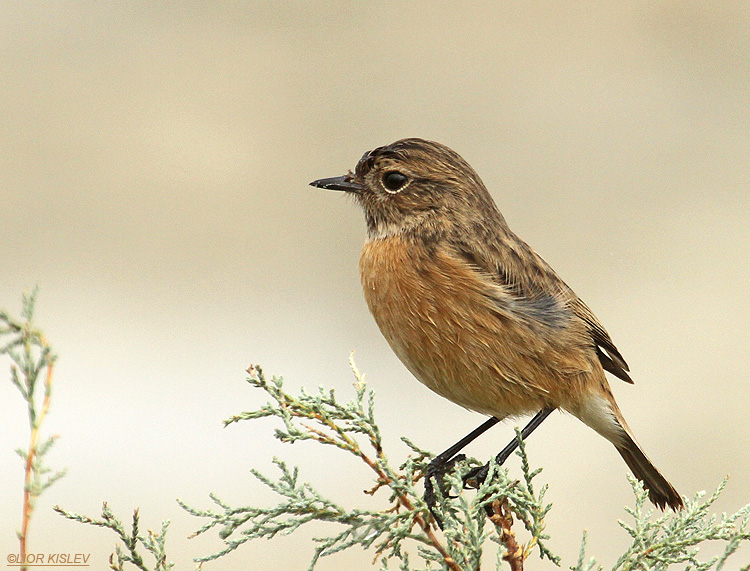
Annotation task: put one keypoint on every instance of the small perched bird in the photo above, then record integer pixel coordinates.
(472, 311)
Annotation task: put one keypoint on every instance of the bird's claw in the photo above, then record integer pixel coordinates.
(435, 471)
(476, 476)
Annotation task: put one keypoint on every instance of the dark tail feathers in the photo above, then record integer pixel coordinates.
(660, 492)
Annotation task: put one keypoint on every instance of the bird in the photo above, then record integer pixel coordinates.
(473, 312)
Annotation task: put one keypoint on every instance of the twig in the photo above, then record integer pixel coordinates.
(29, 495)
(30, 355)
(500, 514)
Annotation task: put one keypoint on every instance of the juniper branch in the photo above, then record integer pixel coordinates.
(31, 359)
(674, 537)
(351, 427)
(153, 542)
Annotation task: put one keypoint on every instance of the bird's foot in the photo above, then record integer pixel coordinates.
(436, 469)
(476, 476)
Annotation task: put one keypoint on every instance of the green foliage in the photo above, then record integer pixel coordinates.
(153, 543)
(674, 537)
(400, 517)
(32, 362)
(658, 543)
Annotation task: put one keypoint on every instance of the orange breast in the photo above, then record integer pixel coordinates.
(436, 313)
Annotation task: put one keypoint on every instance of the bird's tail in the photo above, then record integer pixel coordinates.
(602, 414)
(660, 491)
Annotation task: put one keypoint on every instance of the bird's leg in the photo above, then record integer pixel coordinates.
(477, 475)
(443, 461)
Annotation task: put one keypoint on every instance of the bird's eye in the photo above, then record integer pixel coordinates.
(393, 181)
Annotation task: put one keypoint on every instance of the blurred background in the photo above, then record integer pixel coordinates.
(154, 162)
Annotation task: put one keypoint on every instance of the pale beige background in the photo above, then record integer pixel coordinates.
(154, 161)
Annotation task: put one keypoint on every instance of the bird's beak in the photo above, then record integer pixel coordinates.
(345, 183)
